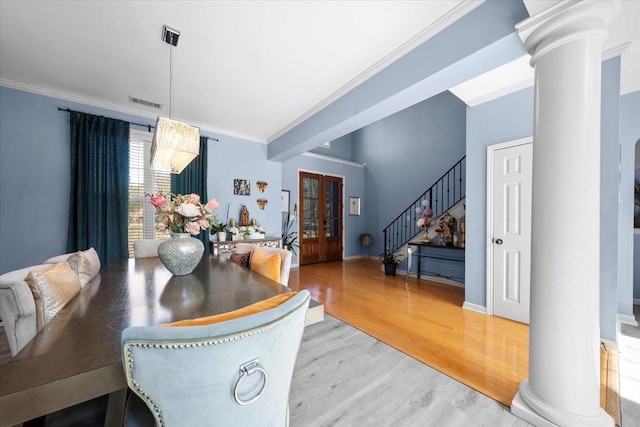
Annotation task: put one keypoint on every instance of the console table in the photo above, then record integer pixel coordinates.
(427, 250)
(228, 246)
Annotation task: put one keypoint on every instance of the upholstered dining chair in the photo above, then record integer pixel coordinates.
(235, 371)
(18, 308)
(146, 248)
(285, 259)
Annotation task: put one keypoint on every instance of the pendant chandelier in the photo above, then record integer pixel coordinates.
(175, 144)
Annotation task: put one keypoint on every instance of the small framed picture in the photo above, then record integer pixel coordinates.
(354, 205)
(284, 201)
(241, 187)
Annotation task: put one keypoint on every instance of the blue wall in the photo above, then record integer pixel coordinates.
(353, 180)
(232, 158)
(405, 154)
(504, 119)
(339, 148)
(510, 118)
(609, 159)
(636, 265)
(34, 176)
(628, 253)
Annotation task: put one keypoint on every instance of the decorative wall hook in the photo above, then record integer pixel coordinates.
(262, 203)
(262, 185)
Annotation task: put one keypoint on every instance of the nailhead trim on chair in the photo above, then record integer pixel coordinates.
(205, 343)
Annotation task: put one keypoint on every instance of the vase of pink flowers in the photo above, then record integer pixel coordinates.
(183, 216)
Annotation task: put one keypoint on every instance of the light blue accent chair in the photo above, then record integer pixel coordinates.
(233, 373)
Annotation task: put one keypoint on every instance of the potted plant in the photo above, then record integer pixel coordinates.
(365, 239)
(220, 229)
(390, 262)
(289, 236)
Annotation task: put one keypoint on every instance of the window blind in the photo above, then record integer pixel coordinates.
(143, 181)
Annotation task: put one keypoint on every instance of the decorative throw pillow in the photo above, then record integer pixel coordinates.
(52, 287)
(86, 264)
(242, 259)
(241, 312)
(266, 264)
(58, 258)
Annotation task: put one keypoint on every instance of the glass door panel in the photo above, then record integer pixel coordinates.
(321, 218)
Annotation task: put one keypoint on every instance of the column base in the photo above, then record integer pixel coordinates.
(532, 409)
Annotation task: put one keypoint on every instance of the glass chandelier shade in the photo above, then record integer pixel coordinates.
(174, 146)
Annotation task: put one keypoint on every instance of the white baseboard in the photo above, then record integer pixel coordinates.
(437, 279)
(347, 258)
(474, 307)
(314, 314)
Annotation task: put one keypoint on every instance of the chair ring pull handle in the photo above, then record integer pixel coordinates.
(247, 369)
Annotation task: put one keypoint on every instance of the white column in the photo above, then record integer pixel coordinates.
(563, 388)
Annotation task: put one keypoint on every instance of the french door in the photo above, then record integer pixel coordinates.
(320, 218)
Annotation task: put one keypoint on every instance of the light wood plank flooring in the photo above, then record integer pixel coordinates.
(426, 321)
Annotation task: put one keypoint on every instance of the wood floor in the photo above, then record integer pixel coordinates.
(426, 321)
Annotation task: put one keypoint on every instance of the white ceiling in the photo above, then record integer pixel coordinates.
(242, 68)
(245, 68)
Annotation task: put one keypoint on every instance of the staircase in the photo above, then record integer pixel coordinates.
(447, 191)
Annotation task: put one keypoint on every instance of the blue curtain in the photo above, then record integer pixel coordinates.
(98, 199)
(193, 179)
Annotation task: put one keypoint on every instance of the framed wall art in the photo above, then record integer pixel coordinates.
(284, 201)
(241, 187)
(354, 205)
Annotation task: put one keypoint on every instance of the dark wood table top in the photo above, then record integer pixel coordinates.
(76, 357)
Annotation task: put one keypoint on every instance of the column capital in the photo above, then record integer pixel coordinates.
(565, 21)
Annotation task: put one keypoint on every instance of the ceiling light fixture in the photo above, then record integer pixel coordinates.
(175, 144)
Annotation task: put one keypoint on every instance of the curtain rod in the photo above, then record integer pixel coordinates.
(149, 127)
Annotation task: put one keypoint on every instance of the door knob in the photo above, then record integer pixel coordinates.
(498, 241)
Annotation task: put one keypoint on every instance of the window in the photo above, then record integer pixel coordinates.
(143, 180)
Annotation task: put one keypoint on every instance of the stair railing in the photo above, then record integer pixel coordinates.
(448, 190)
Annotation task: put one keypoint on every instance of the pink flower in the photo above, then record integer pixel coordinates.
(213, 204)
(204, 224)
(193, 199)
(192, 227)
(158, 200)
(161, 226)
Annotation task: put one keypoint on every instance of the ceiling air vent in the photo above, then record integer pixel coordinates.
(144, 102)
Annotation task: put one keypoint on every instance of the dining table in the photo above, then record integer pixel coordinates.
(76, 357)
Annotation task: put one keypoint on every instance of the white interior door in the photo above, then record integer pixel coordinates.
(511, 240)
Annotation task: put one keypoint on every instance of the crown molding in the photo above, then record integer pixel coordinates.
(624, 51)
(39, 90)
(616, 51)
(440, 24)
(500, 92)
(630, 88)
(620, 50)
(334, 159)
